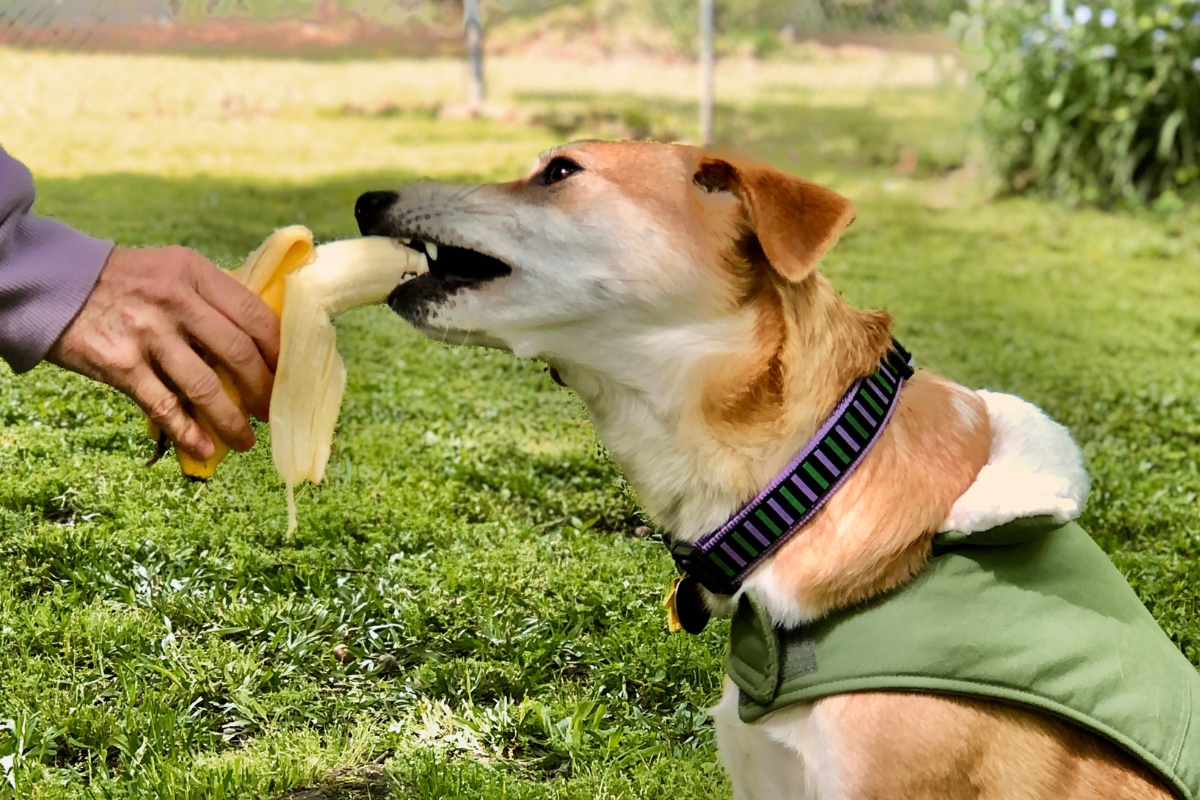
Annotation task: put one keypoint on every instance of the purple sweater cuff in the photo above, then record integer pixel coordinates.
(47, 271)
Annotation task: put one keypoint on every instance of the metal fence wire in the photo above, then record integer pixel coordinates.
(413, 25)
(228, 24)
(73, 24)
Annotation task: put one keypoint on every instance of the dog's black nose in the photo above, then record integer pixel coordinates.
(370, 208)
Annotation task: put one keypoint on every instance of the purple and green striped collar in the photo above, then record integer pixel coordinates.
(721, 560)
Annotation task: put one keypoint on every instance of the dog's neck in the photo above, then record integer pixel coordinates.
(701, 416)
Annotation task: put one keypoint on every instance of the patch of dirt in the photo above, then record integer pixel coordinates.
(367, 782)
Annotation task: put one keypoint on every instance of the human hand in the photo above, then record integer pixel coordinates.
(137, 330)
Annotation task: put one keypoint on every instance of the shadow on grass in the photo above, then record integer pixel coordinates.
(368, 782)
(225, 218)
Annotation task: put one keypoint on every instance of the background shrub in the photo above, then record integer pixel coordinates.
(1101, 106)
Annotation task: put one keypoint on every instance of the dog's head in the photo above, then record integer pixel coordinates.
(602, 237)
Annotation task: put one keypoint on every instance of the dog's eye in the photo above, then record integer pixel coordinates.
(559, 169)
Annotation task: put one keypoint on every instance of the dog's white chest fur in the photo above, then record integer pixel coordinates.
(1034, 469)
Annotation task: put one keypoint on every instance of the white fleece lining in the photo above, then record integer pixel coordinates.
(1034, 469)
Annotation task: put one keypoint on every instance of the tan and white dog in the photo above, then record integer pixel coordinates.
(677, 294)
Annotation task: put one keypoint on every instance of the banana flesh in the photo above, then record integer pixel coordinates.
(311, 377)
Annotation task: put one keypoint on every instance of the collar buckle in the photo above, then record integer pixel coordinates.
(690, 561)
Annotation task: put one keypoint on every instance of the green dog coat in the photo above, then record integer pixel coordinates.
(1030, 613)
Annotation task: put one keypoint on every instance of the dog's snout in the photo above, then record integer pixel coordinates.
(370, 210)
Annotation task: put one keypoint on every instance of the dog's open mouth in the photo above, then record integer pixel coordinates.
(457, 267)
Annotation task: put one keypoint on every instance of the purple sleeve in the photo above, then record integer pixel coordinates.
(47, 271)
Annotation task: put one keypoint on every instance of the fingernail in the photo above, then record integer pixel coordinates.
(204, 446)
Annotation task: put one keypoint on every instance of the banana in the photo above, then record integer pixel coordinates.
(306, 286)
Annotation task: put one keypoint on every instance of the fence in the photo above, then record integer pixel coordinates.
(678, 30)
(238, 25)
(402, 25)
(73, 23)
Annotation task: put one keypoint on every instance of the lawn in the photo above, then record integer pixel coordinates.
(473, 548)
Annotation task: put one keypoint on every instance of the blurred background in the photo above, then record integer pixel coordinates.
(306, 88)
(1089, 105)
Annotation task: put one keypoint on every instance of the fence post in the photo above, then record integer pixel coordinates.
(473, 31)
(706, 71)
(1058, 10)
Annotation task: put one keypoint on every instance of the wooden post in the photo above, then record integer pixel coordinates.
(473, 31)
(707, 13)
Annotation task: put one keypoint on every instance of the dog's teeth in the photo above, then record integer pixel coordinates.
(431, 249)
(405, 240)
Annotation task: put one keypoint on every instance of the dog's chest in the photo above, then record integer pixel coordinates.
(794, 755)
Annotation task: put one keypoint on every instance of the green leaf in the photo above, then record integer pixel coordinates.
(1167, 137)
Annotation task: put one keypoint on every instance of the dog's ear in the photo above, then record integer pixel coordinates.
(796, 221)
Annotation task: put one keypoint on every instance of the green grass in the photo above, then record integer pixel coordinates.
(472, 546)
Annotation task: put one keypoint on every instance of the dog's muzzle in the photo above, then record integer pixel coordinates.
(451, 268)
(370, 212)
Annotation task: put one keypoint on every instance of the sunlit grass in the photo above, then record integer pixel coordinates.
(85, 114)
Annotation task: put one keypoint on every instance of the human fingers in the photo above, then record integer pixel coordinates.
(241, 306)
(199, 383)
(165, 410)
(218, 336)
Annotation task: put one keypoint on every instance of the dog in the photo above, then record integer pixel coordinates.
(677, 293)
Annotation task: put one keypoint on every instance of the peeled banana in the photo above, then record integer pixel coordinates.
(311, 377)
(263, 272)
(307, 286)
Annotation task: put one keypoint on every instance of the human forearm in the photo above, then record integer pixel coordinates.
(47, 271)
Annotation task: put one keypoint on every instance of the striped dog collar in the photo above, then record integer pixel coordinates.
(721, 560)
